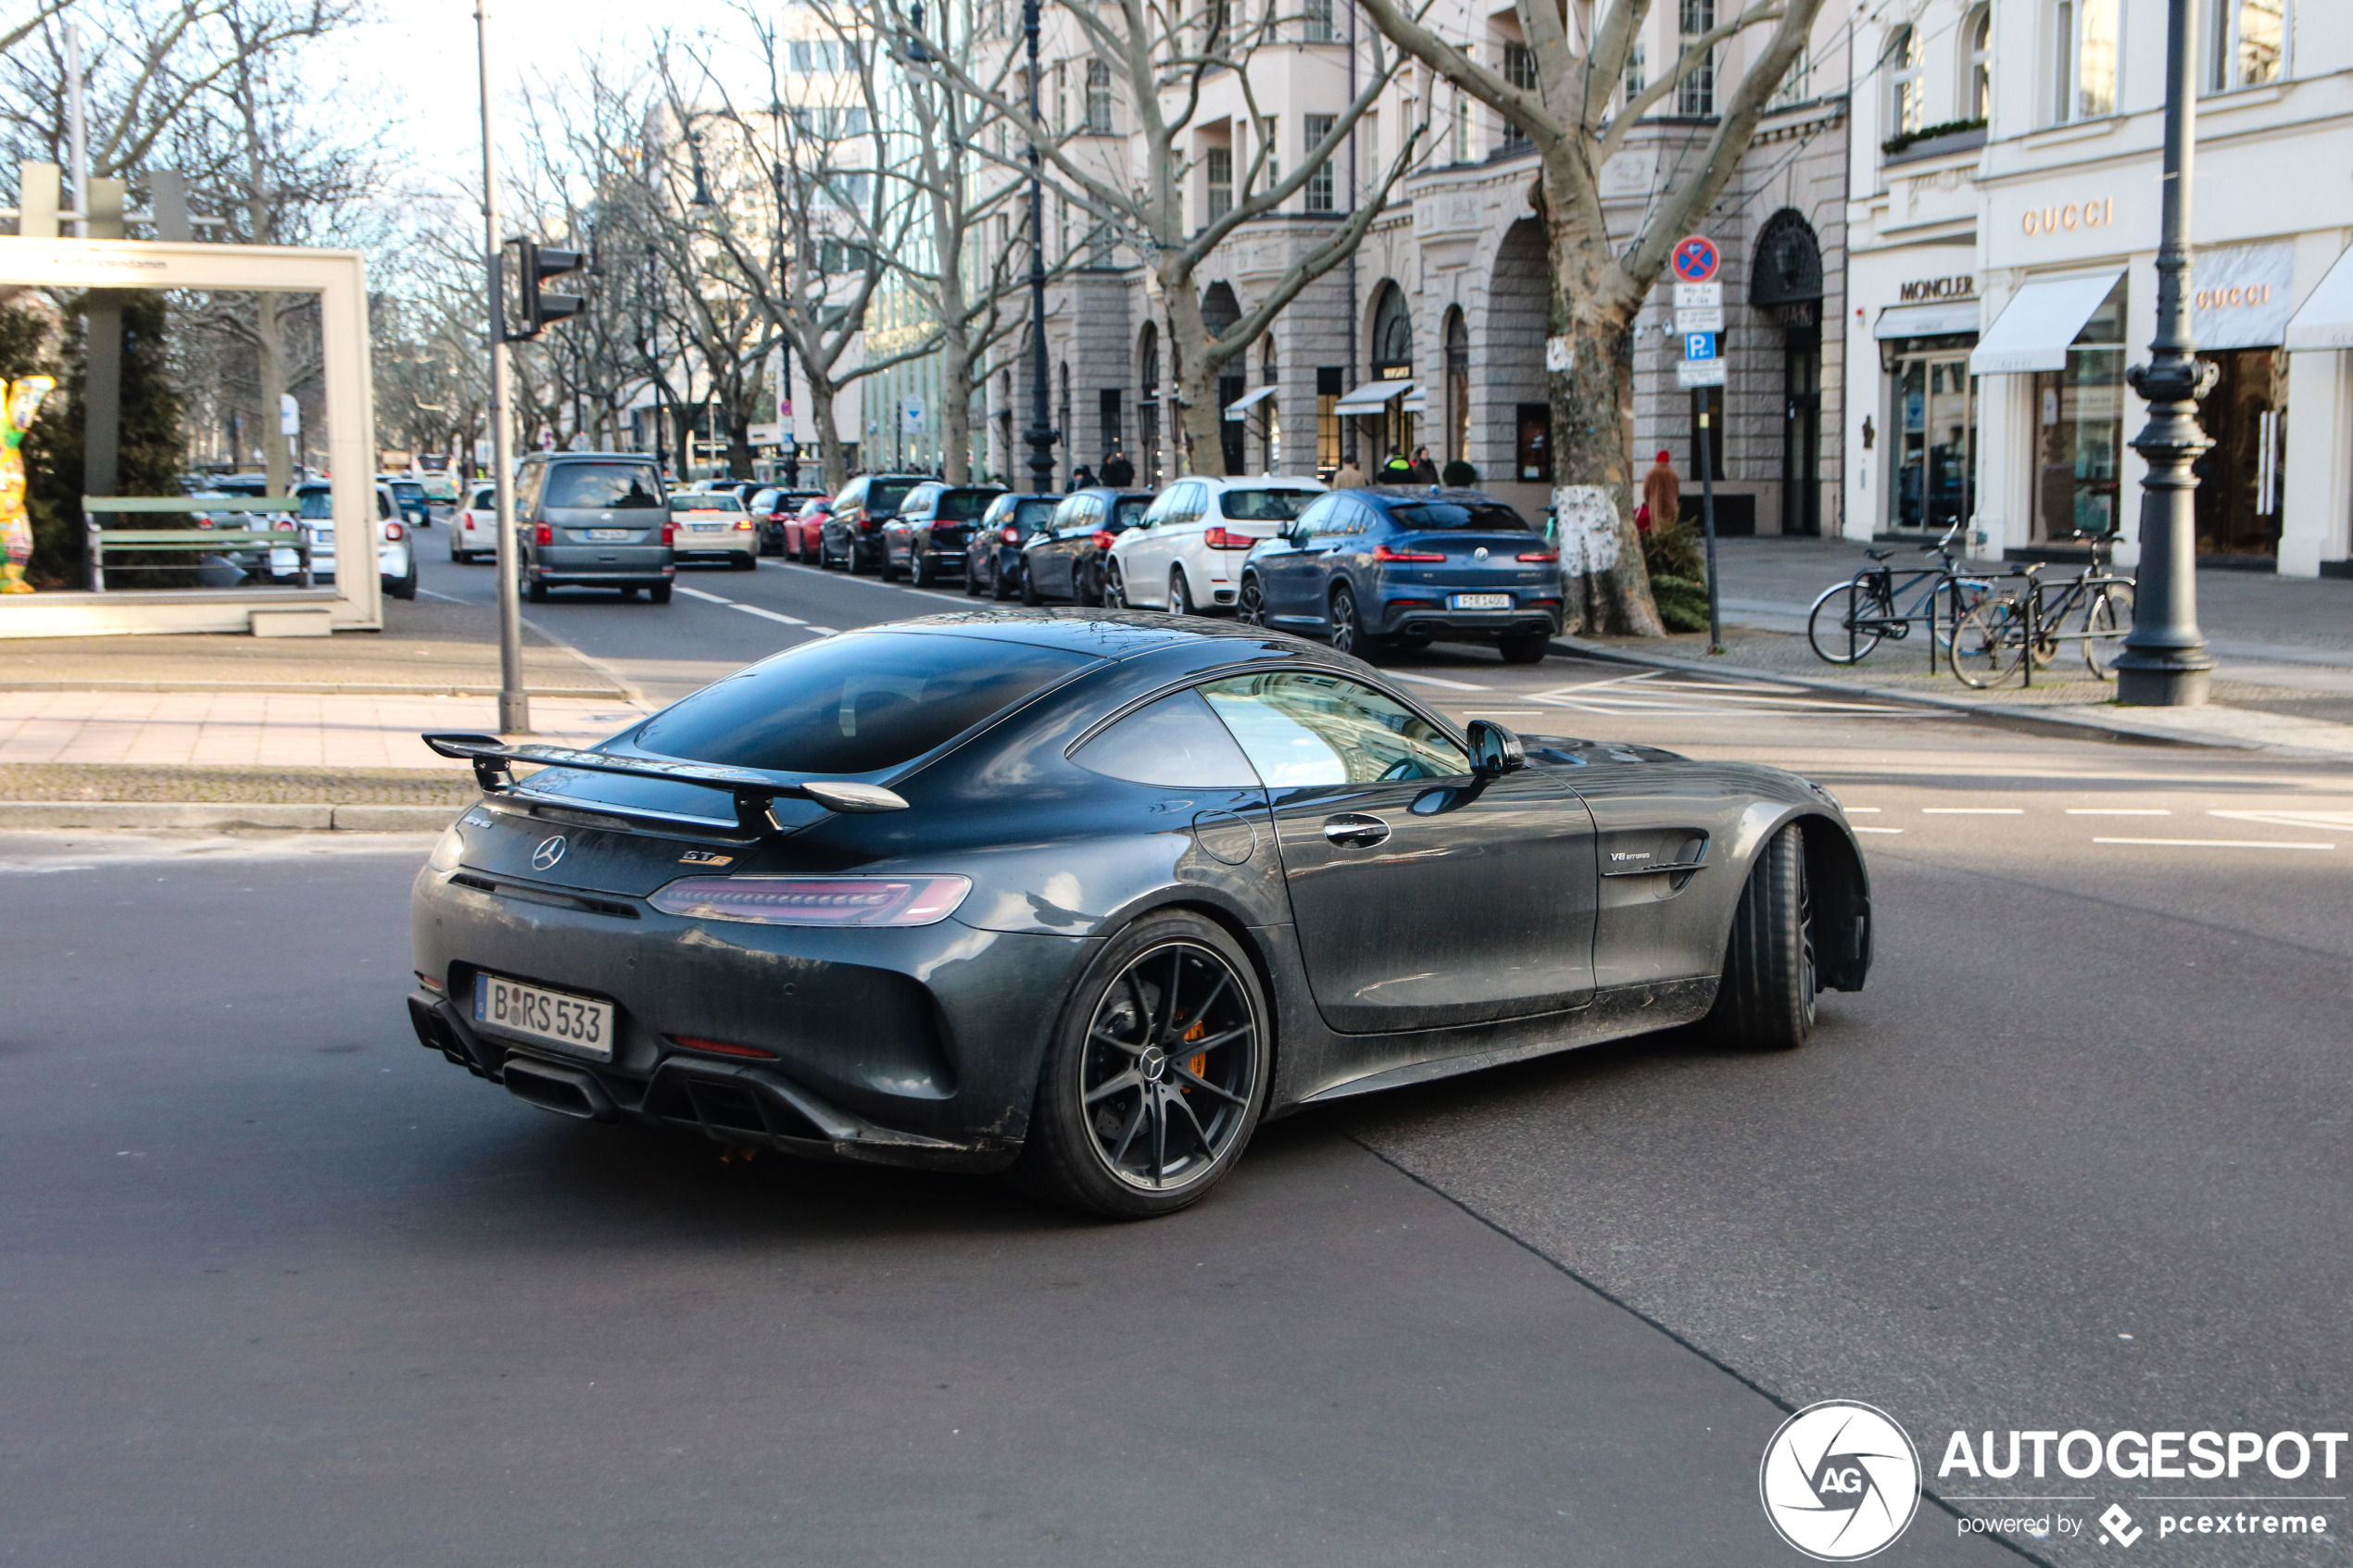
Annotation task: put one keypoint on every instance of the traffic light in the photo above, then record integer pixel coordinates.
(536, 265)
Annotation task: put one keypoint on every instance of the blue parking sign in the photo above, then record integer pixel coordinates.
(1699, 346)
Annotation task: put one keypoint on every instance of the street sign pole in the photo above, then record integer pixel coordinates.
(514, 702)
(1708, 521)
(1699, 321)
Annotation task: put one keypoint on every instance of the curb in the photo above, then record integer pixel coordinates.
(2033, 721)
(297, 817)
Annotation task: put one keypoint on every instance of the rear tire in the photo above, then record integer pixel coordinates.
(999, 589)
(1115, 586)
(536, 592)
(1181, 595)
(1766, 999)
(659, 592)
(1029, 588)
(919, 572)
(1525, 649)
(1249, 605)
(1156, 1076)
(1348, 625)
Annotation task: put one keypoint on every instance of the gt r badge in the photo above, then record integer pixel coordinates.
(1479, 554)
(705, 858)
(550, 850)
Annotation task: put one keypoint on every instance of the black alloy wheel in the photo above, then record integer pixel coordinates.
(1348, 627)
(998, 588)
(1156, 1076)
(1181, 595)
(1115, 586)
(1029, 594)
(1249, 605)
(889, 568)
(919, 571)
(862, 562)
(1765, 1000)
(972, 578)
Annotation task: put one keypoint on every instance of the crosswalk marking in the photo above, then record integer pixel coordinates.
(1653, 692)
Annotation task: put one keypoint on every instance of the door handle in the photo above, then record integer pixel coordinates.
(1353, 830)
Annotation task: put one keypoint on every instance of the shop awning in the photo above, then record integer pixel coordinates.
(2326, 318)
(2041, 319)
(1372, 397)
(1241, 405)
(1934, 320)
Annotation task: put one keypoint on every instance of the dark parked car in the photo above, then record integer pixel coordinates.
(1065, 560)
(928, 535)
(593, 520)
(851, 535)
(775, 511)
(992, 552)
(916, 895)
(1406, 565)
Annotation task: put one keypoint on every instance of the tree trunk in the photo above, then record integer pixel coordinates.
(1589, 384)
(956, 405)
(829, 452)
(277, 462)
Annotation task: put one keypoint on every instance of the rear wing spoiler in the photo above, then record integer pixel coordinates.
(494, 761)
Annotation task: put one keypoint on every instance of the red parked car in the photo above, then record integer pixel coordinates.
(776, 512)
(804, 531)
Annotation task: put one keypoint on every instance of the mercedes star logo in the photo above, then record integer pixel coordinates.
(1479, 554)
(550, 850)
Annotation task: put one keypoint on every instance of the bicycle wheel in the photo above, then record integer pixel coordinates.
(1841, 626)
(1990, 641)
(2107, 621)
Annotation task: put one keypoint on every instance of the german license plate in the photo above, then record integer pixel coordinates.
(580, 1024)
(1481, 601)
(711, 527)
(610, 535)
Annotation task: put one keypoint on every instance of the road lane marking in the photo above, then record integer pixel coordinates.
(1434, 681)
(2219, 843)
(1866, 811)
(699, 594)
(824, 631)
(1972, 811)
(1859, 828)
(771, 615)
(2117, 811)
(2326, 822)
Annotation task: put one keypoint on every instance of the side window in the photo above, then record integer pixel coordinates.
(1300, 730)
(1195, 503)
(1318, 513)
(535, 479)
(1176, 742)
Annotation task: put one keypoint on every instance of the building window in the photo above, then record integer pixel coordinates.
(1270, 137)
(1319, 185)
(1934, 423)
(2082, 59)
(1465, 128)
(1696, 95)
(1319, 22)
(2079, 415)
(1217, 24)
(1906, 95)
(1637, 74)
(2247, 43)
(1976, 91)
(1330, 383)
(1062, 96)
(1107, 415)
(1519, 69)
(1221, 181)
(1097, 98)
(1797, 87)
(1457, 386)
(1533, 443)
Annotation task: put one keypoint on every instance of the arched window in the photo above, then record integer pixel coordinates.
(1392, 336)
(1219, 309)
(1148, 360)
(1904, 95)
(1148, 461)
(1977, 39)
(1457, 385)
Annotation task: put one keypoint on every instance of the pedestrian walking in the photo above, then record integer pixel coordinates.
(1349, 476)
(1119, 472)
(1662, 497)
(1082, 478)
(1424, 471)
(1397, 471)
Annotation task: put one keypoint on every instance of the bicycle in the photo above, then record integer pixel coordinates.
(2093, 608)
(1851, 618)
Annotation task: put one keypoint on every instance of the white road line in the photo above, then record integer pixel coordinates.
(1862, 811)
(699, 594)
(2219, 843)
(1503, 713)
(824, 631)
(2326, 822)
(771, 615)
(1434, 681)
(2117, 811)
(1972, 811)
(1861, 829)
(429, 594)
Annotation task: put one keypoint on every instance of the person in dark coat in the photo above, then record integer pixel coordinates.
(1424, 471)
(1083, 478)
(1118, 473)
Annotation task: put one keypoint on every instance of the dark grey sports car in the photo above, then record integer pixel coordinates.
(1087, 894)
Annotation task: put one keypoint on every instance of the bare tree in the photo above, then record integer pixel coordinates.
(1598, 283)
(1160, 55)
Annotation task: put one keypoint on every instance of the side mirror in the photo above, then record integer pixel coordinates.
(1495, 750)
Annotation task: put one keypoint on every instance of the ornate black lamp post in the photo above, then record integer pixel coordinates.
(1041, 434)
(2165, 663)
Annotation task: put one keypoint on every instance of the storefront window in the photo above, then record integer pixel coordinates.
(2238, 477)
(2079, 415)
(1934, 423)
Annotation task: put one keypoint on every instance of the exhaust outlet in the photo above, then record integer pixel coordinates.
(567, 1091)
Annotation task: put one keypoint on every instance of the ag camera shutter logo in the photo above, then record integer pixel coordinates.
(1839, 1481)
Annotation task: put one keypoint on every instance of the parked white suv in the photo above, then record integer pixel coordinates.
(1182, 559)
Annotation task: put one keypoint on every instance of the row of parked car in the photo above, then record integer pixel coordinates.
(1389, 564)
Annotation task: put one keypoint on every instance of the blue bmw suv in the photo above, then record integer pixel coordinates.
(1405, 566)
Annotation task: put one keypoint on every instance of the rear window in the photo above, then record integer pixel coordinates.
(1485, 517)
(408, 490)
(607, 486)
(1265, 506)
(716, 503)
(1033, 513)
(316, 504)
(1128, 512)
(853, 704)
(882, 499)
(962, 505)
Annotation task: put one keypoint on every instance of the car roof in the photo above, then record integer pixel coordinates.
(1126, 634)
(1262, 481)
(1113, 492)
(1403, 493)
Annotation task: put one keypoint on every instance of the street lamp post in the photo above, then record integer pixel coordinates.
(789, 454)
(2165, 663)
(1041, 436)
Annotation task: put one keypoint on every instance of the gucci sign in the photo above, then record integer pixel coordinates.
(2092, 214)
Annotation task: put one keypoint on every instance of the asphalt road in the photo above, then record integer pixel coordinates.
(281, 1286)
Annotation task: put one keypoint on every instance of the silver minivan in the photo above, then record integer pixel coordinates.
(593, 520)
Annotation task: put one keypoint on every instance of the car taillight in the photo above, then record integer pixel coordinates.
(1541, 555)
(1105, 538)
(393, 532)
(1218, 539)
(1009, 535)
(814, 900)
(1383, 553)
(869, 523)
(721, 1048)
(669, 532)
(547, 534)
(745, 522)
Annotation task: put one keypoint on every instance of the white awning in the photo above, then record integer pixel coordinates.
(2325, 320)
(1414, 403)
(1934, 320)
(2041, 319)
(1235, 409)
(1372, 397)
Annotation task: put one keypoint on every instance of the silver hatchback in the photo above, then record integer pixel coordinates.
(593, 520)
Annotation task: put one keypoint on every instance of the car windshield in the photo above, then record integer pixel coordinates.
(883, 497)
(713, 502)
(1485, 517)
(316, 504)
(854, 704)
(1126, 512)
(408, 490)
(1265, 506)
(604, 485)
(962, 505)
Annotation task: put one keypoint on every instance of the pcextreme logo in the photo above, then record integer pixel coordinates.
(1839, 1481)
